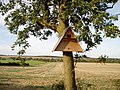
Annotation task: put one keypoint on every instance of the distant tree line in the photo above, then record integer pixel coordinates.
(77, 58)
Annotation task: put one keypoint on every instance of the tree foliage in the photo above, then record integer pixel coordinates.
(102, 58)
(88, 18)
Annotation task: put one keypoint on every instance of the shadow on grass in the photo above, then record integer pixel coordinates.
(116, 82)
(8, 86)
(81, 85)
(13, 64)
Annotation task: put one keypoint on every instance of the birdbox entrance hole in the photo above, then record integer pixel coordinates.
(68, 36)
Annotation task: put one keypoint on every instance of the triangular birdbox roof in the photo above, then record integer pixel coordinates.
(68, 42)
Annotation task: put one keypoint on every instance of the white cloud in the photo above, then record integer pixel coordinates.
(6, 49)
(2, 20)
(43, 47)
(109, 47)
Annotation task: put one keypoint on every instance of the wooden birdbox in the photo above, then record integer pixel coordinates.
(68, 42)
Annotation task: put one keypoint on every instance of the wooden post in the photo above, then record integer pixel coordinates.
(69, 73)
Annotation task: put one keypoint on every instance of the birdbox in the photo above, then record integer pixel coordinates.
(68, 42)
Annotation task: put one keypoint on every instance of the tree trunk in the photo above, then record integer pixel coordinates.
(69, 73)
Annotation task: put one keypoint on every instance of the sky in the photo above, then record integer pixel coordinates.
(109, 47)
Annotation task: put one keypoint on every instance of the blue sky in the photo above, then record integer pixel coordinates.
(110, 47)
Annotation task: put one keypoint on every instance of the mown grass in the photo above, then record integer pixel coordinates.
(35, 62)
(30, 62)
(8, 60)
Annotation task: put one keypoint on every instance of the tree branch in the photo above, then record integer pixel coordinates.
(111, 6)
(50, 25)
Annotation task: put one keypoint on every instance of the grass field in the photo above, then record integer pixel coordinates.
(42, 75)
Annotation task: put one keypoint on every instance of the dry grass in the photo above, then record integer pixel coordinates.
(91, 75)
(101, 77)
